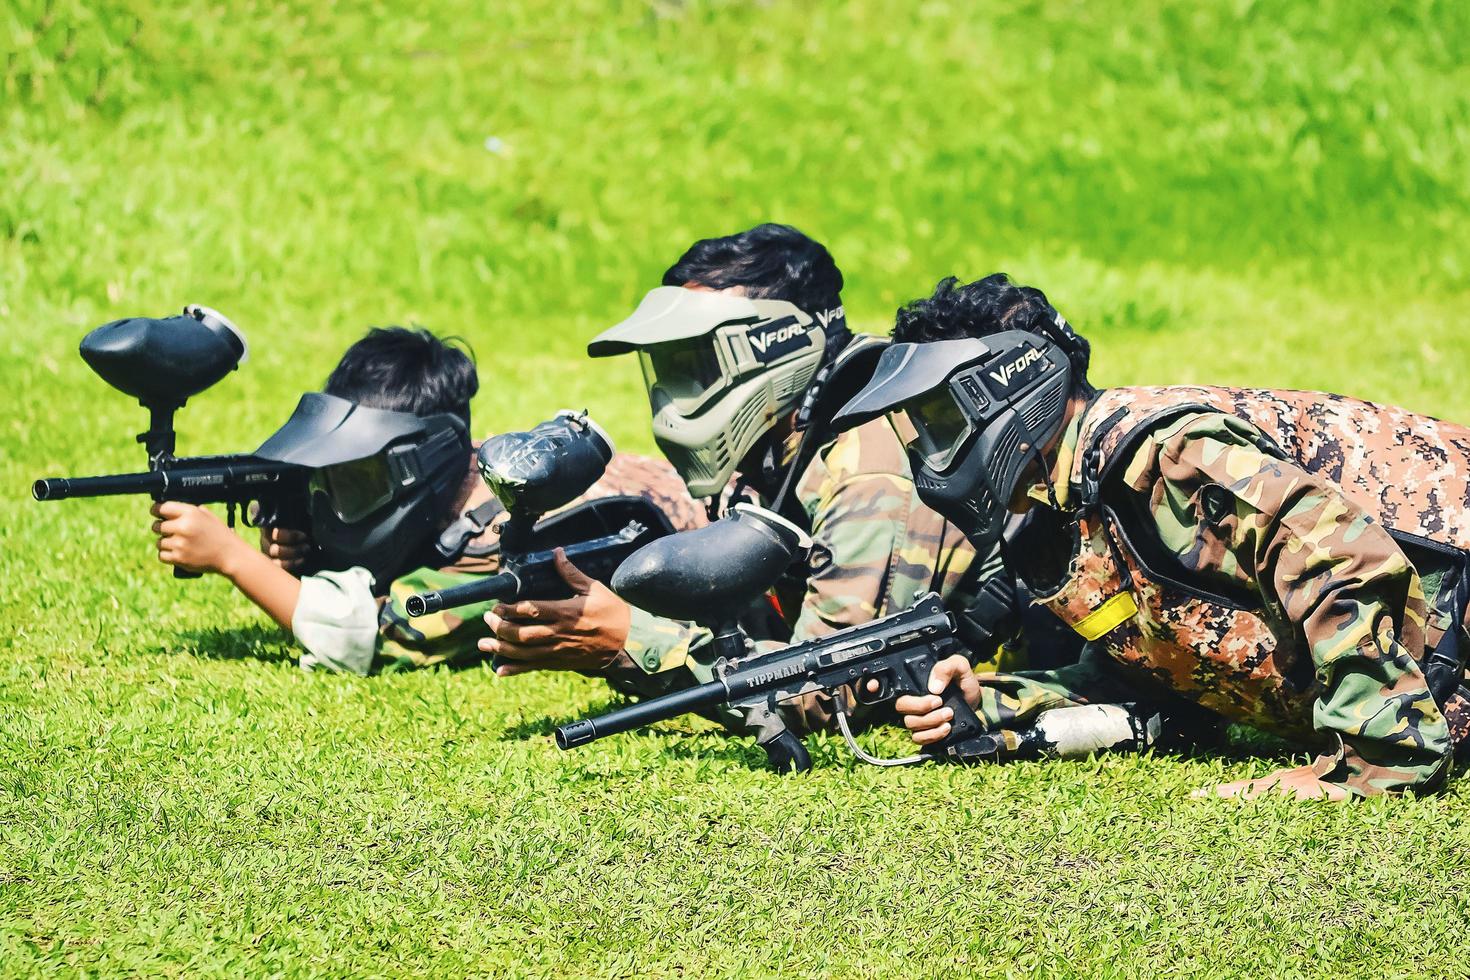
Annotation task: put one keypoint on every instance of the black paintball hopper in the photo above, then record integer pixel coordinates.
(325, 430)
(164, 362)
(709, 573)
(547, 467)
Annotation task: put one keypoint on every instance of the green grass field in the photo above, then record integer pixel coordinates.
(1235, 192)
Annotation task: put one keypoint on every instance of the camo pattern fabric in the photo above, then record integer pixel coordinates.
(1265, 589)
(1407, 471)
(876, 548)
(1457, 715)
(452, 635)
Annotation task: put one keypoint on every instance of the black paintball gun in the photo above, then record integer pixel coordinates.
(874, 662)
(163, 363)
(532, 473)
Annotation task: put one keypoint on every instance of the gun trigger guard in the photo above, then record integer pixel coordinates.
(863, 696)
(840, 709)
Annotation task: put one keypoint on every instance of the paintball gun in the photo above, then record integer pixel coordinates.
(876, 662)
(163, 363)
(532, 473)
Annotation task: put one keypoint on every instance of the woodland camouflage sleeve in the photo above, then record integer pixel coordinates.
(656, 644)
(875, 551)
(876, 548)
(1010, 700)
(858, 536)
(1229, 511)
(450, 634)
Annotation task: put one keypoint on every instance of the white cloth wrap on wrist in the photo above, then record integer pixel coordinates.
(336, 621)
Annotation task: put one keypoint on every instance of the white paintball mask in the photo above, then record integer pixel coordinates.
(720, 370)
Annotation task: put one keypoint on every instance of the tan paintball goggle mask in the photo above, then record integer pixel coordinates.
(719, 370)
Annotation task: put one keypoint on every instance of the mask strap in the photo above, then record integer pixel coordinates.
(788, 484)
(837, 338)
(1051, 487)
(456, 538)
(1035, 453)
(736, 495)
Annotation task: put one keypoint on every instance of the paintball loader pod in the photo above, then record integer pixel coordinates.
(163, 363)
(532, 473)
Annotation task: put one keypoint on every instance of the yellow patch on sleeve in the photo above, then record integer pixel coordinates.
(1106, 617)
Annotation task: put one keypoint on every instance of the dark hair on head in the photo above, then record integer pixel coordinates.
(984, 307)
(771, 261)
(407, 370)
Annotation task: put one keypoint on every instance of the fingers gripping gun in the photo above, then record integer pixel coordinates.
(532, 473)
(878, 661)
(163, 363)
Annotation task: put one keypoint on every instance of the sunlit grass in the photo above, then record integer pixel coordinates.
(1219, 192)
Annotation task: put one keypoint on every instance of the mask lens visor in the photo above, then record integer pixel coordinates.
(685, 370)
(936, 427)
(356, 489)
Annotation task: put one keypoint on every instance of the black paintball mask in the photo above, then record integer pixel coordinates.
(972, 413)
(383, 482)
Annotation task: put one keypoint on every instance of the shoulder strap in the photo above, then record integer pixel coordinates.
(455, 540)
(837, 383)
(1098, 461)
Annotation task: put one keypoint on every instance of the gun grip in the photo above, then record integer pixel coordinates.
(185, 573)
(965, 724)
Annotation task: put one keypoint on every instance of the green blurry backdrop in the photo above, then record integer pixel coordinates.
(1248, 192)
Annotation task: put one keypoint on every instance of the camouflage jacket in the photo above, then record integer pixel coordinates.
(1290, 560)
(876, 548)
(399, 642)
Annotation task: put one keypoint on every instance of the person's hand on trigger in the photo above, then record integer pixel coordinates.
(285, 546)
(924, 715)
(194, 539)
(584, 633)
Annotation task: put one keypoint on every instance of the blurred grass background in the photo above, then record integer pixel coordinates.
(1234, 192)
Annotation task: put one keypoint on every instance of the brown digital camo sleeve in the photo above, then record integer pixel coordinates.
(1336, 577)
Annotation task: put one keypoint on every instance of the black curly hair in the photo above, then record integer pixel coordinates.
(771, 261)
(988, 306)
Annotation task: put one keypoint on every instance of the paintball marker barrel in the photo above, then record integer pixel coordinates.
(65, 487)
(534, 575)
(643, 713)
(202, 479)
(499, 588)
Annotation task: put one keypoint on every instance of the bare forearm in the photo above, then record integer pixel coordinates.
(268, 585)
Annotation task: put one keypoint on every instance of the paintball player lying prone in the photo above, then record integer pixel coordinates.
(1296, 561)
(737, 348)
(405, 395)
